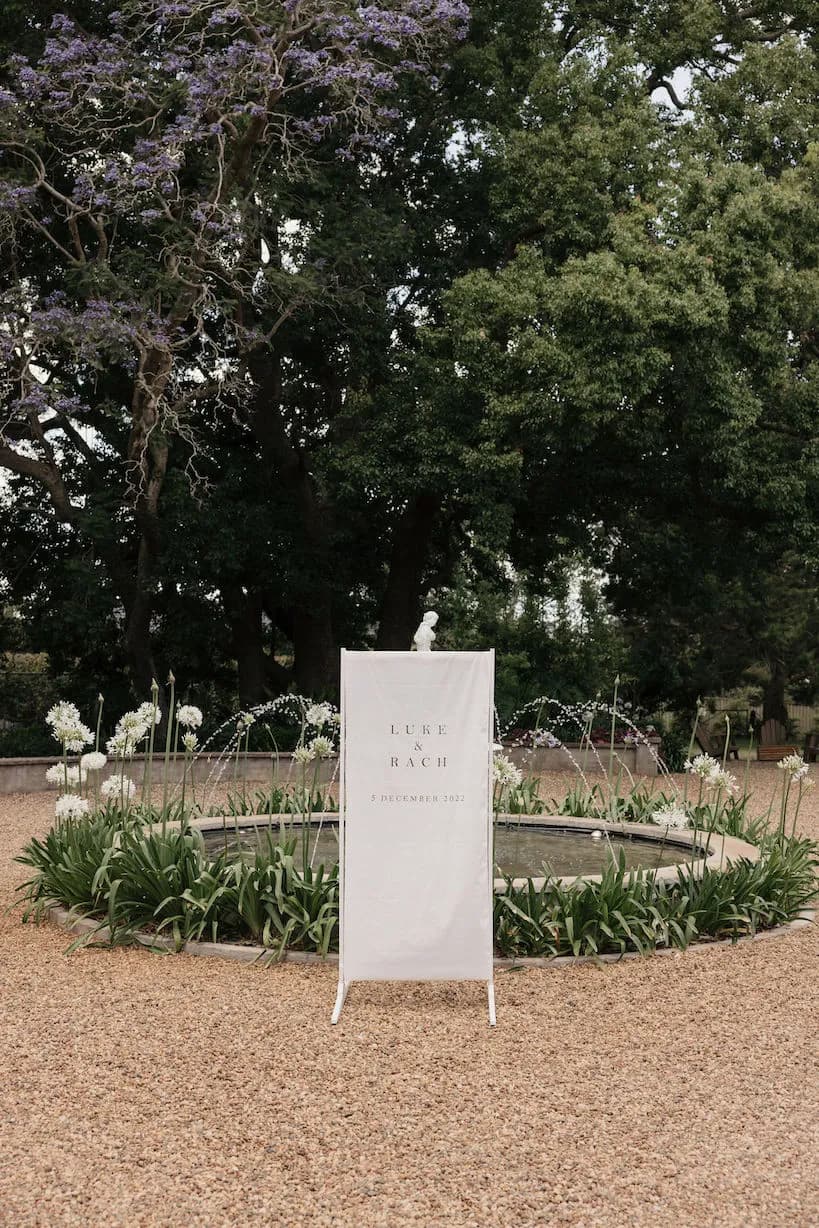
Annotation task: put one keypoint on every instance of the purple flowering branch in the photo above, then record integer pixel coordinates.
(154, 161)
(169, 120)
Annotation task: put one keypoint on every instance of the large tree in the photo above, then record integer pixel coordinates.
(152, 163)
(650, 343)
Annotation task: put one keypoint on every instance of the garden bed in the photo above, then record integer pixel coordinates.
(135, 881)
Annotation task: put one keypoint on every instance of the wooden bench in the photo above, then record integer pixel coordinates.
(772, 754)
(773, 744)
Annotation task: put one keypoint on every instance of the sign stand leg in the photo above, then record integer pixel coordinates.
(490, 991)
(340, 996)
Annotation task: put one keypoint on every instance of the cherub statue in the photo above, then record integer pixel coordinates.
(425, 635)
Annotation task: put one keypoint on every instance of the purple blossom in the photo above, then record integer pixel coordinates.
(191, 63)
(15, 196)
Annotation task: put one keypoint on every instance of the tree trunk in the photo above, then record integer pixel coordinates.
(773, 698)
(147, 455)
(400, 610)
(315, 665)
(315, 653)
(244, 611)
(139, 655)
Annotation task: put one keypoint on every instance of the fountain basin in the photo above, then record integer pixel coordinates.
(523, 843)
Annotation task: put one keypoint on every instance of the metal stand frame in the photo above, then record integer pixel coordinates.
(340, 997)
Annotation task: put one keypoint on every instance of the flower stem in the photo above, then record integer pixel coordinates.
(149, 762)
(611, 747)
(786, 789)
(691, 748)
(168, 735)
(748, 760)
(244, 764)
(727, 740)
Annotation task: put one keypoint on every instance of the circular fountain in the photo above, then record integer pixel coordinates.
(526, 846)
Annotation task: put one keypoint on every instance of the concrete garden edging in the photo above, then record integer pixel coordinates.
(27, 775)
(261, 955)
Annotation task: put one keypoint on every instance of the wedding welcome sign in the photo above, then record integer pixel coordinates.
(416, 818)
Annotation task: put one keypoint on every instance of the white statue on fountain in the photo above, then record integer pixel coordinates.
(425, 635)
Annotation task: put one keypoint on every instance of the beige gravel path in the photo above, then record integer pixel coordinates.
(144, 1090)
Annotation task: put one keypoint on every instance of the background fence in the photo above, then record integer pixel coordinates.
(804, 717)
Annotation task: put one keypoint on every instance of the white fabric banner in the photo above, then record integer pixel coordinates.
(416, 810)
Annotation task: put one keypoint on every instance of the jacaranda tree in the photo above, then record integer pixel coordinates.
(150, 164)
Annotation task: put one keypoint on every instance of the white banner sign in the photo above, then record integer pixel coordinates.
(416, 817)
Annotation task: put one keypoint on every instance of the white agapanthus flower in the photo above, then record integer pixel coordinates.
(63, 713)
(189, 716)
(246, 719)
(77, 738)
(190, 741)
(131, 729)
(303, 754)
(149, 713)
(506, 773)
(319, 715)
(67, 728)
(59, 774)
(702, 765)
(118, 744)
(794, 766)
(133, 723)
(70, 806)
(720, 779)
(322, 748)
(671, 815)
(118, 786)
(94, 761)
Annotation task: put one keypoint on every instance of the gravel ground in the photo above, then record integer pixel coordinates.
(147, 1090)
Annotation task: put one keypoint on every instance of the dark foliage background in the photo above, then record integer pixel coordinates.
(528, 334)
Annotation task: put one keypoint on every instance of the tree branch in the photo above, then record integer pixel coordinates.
(46, 474)
(665, 84)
